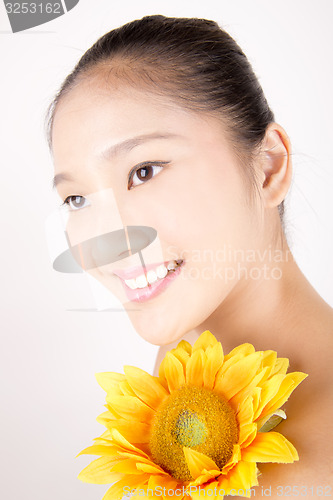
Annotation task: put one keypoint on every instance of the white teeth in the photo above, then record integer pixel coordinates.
(131, 284)
(141, 281)
(161, 271)
(172, 265)
(151, 277)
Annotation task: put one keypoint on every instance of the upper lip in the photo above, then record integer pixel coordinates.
(134, 272)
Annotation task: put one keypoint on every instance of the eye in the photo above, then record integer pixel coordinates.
(143, 173)
(76, 202)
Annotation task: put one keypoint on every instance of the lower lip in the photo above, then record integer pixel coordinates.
(153, 289)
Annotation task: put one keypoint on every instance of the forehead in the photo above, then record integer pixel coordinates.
(120, 104)
(99, 112)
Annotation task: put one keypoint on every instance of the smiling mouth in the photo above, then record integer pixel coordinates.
(153, 274)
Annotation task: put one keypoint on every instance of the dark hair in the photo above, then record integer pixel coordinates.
(191, 60)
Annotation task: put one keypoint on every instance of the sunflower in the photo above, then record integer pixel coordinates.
(198, 426)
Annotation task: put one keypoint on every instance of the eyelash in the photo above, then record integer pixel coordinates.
(137, 168)
(69, 199)
(141, 166)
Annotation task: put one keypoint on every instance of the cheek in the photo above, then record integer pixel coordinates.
(197, 207)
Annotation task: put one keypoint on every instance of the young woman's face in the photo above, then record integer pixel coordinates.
(129, 158)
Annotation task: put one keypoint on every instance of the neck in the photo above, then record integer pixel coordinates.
(273, 312)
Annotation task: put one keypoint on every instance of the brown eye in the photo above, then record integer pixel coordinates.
(75, 202)
(144, 174)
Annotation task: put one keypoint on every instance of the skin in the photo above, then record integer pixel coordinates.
(200, 200)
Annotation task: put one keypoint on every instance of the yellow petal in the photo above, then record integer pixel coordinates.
(139, 457)
(111, 410)
(288, 384)
(242, 350)
(235, 458)
(205, 476)
(198, 492)
(245, 411)
(135, 458)
(137, 433)
(240, 479)
(247, 433)
(268, 390)
(134, 465)
(126, 389)
(256, 398)
(213, 364)
(162, 481)
(150, 469)
(124, 486)
(205, 340)
(173, 372)
(197, 462)
(183, 346)
(281, 366)
(247, 429)
(107, 451)
(161, 375)
(238, 375)
(145, 386)
(99, 472)
(126, 466)
(269, 358)
(229, 362)
(109, 381)
(105, 439)
(123, 443)
(270, 447)
(194, 368)
(182, 353)
(268, 361)
(248, 389)
(105, 417)
(101, 441)
(131, 408)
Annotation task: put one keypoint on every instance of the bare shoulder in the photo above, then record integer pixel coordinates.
(317, 336)
(309, 423)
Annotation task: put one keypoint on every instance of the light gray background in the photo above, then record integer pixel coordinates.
(49, 396)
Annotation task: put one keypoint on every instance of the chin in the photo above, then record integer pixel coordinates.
(156, 332)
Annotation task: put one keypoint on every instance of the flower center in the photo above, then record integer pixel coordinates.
(190, 431)
(197, 418)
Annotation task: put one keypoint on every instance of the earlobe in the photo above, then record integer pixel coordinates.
(275, 165)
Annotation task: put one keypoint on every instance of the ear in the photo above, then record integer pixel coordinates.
(276, 166)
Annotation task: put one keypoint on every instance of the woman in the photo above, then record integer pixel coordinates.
(163, 127)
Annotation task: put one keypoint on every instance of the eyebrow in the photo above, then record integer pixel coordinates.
(129, 144)
(57, 179)
(117, 149)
